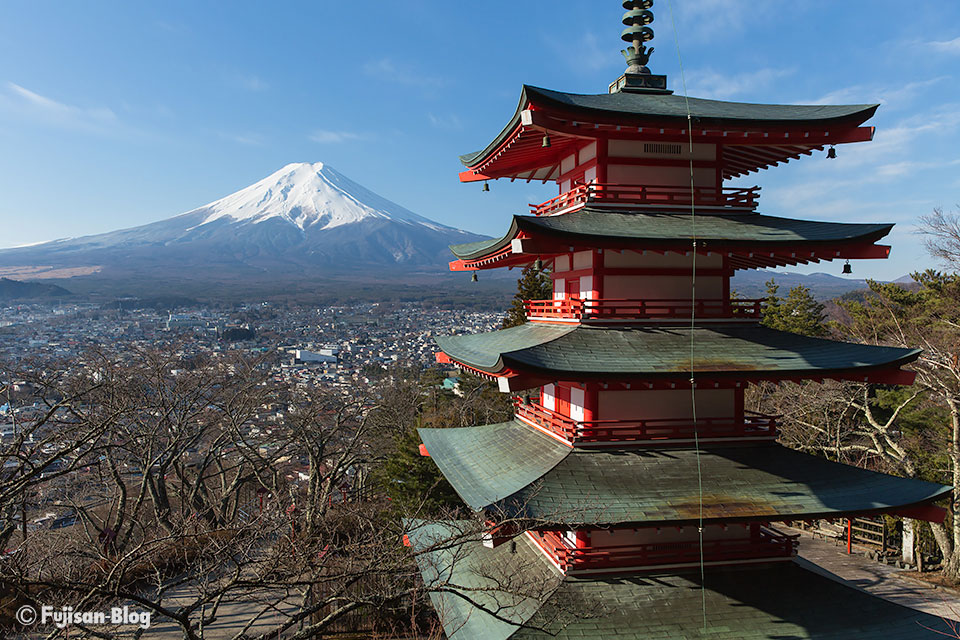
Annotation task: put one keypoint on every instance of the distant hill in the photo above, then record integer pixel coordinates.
(16, 290)
(752, 284)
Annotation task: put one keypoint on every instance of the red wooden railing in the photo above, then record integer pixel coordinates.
(564, 427)
(659, 429)
(613, 194)
(771, 544)
(632, 309)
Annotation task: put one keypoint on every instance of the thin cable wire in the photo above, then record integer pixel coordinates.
(693, 318)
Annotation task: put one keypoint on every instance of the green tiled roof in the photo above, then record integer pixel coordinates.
(635, 107)
(524, 455)
(479, 248)
(675, 106)
(586, 352)
(781, 601)
(644, 229)
(483, 350)
(511, 465)
(471, 616)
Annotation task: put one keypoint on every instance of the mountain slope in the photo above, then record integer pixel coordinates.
(17, 290)
(303, 218)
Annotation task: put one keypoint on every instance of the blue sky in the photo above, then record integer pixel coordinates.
(118, 113)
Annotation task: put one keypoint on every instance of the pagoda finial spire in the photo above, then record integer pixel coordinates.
(637, 78)
(637, 18)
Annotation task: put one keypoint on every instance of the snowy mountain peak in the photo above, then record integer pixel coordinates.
(303, 220)
(307, 195)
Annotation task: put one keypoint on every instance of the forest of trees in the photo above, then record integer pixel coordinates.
(184, 502)
(188, 498)
(908, 431)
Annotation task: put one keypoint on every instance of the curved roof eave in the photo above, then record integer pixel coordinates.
(594, 224)
(779, 600)
(525, 456)
(706, 111)
(627, 353)
(703, 111)
(472, 250)
(731, 229)
(470, 159)
(486, 351)
(516, 468)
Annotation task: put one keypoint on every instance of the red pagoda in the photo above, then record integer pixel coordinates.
(649, 495)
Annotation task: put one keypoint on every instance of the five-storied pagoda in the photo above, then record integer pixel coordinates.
(647, 492)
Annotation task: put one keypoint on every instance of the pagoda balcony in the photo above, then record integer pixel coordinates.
(770, 545)
(635, 309)
(620, 195)
(654, 431)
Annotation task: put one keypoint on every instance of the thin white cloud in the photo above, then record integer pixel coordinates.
(49, 105)
(247, 139)
(909, 158)
(891, 145)
(248, 82)
(391, 71)
(176, 28)
(450, 122)
(857, 177)
(822, 200)
(887, 95)
(708, 83)
(163, 111)
(586, 55)
(907, 167)
(24, 103)
(906, 134)
(323, 136)
(706, 20)
(945, 46)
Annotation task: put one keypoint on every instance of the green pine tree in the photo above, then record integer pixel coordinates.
(534, 284)
(799, 312)
(413, 482)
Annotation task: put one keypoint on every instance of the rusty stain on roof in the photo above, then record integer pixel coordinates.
(722, 506)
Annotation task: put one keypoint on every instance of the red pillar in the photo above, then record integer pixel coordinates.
(583, 539)
(602, 155)
(597, 264)
(562, 401)
(590, 398)
(849, 536)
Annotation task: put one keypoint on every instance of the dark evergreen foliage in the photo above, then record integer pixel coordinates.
(413, 481)
(798, 313)
(16, 290)
(236, 334)
(533, 284)
(414, 399)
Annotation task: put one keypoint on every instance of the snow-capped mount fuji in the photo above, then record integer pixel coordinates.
(313, 196)
(305, 219)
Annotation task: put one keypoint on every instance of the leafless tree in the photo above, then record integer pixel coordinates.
(208, 493)
(942, 231)
(840, 420)
(843, 421)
